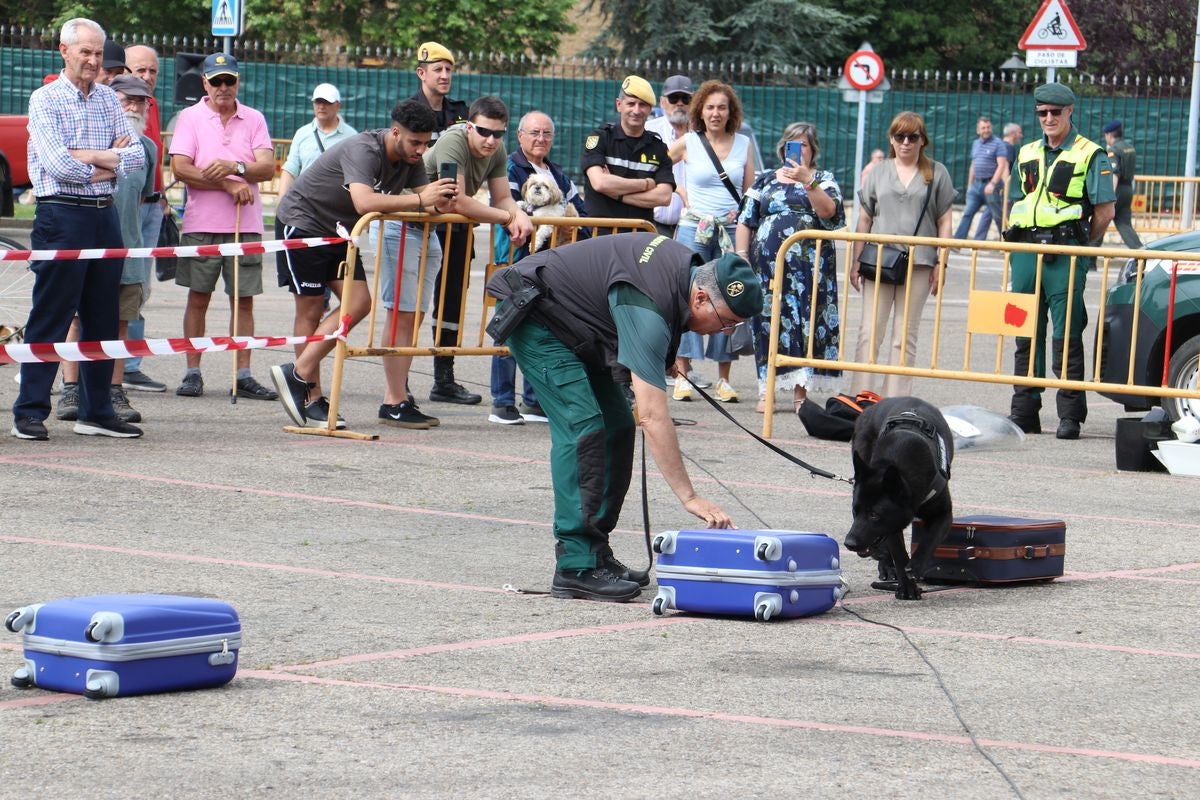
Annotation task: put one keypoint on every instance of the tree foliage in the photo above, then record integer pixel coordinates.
(763, 31)
(462, 25)
(1150, 37)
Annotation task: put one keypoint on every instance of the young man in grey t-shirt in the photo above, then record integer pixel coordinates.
(365, 173)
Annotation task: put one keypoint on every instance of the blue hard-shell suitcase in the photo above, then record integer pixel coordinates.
(763, 574)
(118, 645)
(995, 549)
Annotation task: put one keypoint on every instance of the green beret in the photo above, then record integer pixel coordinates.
(1055, 94)
(739, 285)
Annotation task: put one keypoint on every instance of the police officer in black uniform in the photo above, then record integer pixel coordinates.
(1124, 161)
(626, 169)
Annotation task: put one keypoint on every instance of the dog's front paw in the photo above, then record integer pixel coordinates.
(912, 592)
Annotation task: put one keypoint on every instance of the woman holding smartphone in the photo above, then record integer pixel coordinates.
(794, 197)
(909, 194)
(710, 208)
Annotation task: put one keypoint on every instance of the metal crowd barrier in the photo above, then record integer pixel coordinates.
(380, 329)
(1158, 203)
(992, 311)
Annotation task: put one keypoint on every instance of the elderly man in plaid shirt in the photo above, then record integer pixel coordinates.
(80, 143)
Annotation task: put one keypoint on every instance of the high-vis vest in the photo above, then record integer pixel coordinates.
(1055, 195)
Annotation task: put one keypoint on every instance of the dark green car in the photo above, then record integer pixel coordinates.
(1152, 328)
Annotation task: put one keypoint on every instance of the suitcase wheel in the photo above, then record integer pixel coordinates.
(657, 544)
(761, 553)
(659, 606)
(762, 612)
(22, 678)
(18, 619)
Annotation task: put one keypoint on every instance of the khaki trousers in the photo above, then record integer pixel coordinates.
(891, 306)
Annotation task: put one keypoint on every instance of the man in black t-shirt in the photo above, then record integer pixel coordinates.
(626, 169)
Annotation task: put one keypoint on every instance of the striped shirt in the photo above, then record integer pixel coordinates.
(62, 118)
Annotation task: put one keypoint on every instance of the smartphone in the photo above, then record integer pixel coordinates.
(448, 169)
(794, 151)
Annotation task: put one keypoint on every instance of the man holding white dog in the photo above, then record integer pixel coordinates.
(535, 137)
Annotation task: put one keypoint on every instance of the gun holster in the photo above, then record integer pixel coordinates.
(512, 310)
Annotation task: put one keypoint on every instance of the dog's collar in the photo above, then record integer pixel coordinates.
(911, 421)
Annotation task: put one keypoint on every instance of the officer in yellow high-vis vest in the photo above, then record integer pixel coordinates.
(1063, 191)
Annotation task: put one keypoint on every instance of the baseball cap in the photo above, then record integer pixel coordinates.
(678, 83)
(432, 51)
(327, 92)
(639, 88)
(220, 64)
(114, 55)
(1054, 94)
(739, 284)
(1112, 126)
(130, 86)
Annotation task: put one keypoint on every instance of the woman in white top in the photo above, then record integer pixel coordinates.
(710, 208)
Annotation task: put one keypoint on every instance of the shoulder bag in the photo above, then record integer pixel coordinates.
(893, 259)
(721, 173)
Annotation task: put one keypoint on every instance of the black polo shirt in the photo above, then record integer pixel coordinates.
(454, 112)
(626, 156)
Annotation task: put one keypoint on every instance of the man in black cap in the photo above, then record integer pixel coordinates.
(113, 63)
(1063, 189)
(608, 307)
(1124, 160)
(676, 95)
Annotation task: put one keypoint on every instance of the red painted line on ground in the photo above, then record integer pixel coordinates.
(1001, 637)
(1136, 573)
(719, 716)
(229, 562)
(39, 700)
(16, 648)
(315, 498)
(524, 638)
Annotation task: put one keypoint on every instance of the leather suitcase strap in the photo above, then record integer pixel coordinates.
(1027, 552)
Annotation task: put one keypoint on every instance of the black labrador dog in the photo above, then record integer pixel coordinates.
(902, 450)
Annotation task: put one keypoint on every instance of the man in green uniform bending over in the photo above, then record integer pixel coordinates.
(609, 307)
(1063, 188)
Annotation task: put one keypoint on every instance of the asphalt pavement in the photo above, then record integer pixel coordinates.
(384, 657)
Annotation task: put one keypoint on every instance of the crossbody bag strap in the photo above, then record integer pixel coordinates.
(924, 206)
(724, 176)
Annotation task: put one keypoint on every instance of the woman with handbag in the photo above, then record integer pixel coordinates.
(795, 197)
(715, 158)
(909, 194)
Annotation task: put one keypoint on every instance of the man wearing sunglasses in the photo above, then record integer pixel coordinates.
(222, 151)
(676, 94)
(626, 169)
(1063, 191)
(613, 307)
(477, 154)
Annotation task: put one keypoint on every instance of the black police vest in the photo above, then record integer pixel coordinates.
(576, 279)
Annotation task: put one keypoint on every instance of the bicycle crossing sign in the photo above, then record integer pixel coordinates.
(1053, 28)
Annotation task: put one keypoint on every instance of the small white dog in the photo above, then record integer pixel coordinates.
(541, 197)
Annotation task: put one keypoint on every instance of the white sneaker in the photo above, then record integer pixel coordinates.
(697, 381)
(726, 393)
(683, 392)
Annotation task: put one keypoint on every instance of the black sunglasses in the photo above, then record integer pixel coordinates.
(1048, 112)
(222, 80)
(906, 137)
(675, 98)
(486, 132)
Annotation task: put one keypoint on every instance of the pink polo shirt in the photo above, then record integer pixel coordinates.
(200, 135)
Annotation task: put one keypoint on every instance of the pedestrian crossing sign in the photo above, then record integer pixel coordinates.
(228, 17)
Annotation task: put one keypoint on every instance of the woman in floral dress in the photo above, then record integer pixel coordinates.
(795, 197)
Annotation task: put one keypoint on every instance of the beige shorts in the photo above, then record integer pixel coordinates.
(130, 303)
(200, 274)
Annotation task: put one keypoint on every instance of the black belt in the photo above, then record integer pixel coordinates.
(99, 201)
(152, 198)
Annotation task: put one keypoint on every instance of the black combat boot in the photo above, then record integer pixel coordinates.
(445, 390)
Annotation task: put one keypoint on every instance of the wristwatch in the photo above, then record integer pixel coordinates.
(240, 167)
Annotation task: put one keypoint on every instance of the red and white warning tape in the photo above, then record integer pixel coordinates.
(102, 351)
(191, 251)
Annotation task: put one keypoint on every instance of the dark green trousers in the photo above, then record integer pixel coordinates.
(1027, 400)
(591, 442)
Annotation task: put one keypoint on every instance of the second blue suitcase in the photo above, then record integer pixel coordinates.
(764, 574)
(125, 644)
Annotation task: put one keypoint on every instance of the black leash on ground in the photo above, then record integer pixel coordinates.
(816, 472)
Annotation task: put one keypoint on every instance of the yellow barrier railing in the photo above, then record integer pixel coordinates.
(984, 299)
(565, 230)
(1158, 203)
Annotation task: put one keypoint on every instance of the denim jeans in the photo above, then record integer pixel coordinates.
(504, 384)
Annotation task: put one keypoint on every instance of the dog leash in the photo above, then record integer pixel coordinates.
(814, 471)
